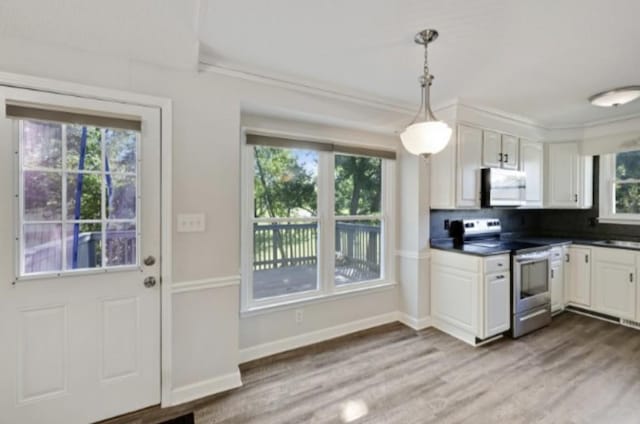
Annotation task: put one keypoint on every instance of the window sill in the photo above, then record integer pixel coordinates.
(619, 220)
(318, 298)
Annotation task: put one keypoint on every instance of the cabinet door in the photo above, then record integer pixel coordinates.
(454, 296)
(557, 286)
(469, 164)
(509, 152)
(580, 276)
(497, 304)
(562, 175)
(491, 149)
(531, 163)
(614, 283)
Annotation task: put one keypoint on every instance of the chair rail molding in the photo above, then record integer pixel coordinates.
(206, 283)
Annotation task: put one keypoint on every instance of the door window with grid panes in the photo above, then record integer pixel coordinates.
(78, 197)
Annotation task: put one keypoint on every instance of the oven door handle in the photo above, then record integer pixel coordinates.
(530, 257)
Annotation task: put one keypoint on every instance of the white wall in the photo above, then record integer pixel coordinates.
(208, 331)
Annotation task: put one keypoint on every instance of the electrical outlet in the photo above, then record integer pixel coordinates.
(446, 224)
(299, 316)
(191, 223)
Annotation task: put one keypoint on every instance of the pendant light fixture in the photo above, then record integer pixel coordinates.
(425, 135)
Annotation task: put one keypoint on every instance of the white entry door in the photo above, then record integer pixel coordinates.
(79, 236)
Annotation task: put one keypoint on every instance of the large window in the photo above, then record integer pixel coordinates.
(620, 187)
(318, 221)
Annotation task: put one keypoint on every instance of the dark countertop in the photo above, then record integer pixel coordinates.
(447, 244)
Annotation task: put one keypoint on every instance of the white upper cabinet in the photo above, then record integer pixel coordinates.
(531, 163)
(509, 152)
(569, 177)
(499, 150)
(469, 164)
(442, 167)
(491, 149)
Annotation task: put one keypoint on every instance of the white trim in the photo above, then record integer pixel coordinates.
(166, 131)
(296, 303)
(454, 331)
(294, 342)
(414, 323)
(606, 195)
(413, 254)
(205, 283)
(205, 388)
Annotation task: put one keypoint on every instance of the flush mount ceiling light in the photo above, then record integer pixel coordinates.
(616, 97)
(427, 135)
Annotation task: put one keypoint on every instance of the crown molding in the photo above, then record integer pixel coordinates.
(551, 132)
(325, 90)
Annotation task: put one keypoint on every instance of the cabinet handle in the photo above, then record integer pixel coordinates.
(506, 158)
(631, 277)
(586, 259)
(499, 277)
(500, 157)
(575, 198)
(552, 274)
(566, 257)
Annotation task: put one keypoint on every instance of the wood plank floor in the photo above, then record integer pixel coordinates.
(578, 370)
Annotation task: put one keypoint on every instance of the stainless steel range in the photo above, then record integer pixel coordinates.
(530, 271)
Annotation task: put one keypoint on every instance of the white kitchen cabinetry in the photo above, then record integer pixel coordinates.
(470, 295)
(499, 150)
(614, 282)
(557, 278)
(531, 163)
(579, 274)
(569, 177)
(469, 164)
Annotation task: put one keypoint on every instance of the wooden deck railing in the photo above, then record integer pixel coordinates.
(283, 245)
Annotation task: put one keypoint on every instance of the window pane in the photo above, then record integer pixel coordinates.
(628, 165)
(120, 146)
(42, 248)
(285, 182)
(628, 198)
(285, 258)
(84, 246)
(121, 244)
(92, 160)
(41, 145)
(358, 251)
(42, 192)
(84, 203)
(358, 185)
(121, 197)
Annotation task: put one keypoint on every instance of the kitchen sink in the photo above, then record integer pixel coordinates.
(619, 243)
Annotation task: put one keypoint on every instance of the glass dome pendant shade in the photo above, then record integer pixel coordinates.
(429, 135)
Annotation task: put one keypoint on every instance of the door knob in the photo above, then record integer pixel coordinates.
(149, 260)
(149, 282)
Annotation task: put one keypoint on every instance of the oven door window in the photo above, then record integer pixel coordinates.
(534, 278)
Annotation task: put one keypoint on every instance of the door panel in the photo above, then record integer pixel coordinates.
(497, 304)
(492, 156)
(510, 152)
(71, 287)
(615, 282)
(563, 175)
(580, 276)
(531, 163)
(469, 161)
(557, 286)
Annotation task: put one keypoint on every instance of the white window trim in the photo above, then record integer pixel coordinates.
(606, 194)
(327, 289)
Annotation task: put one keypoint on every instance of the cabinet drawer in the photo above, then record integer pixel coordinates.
(494, 264)
(556, 254)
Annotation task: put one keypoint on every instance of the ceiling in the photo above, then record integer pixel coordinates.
(540, 59)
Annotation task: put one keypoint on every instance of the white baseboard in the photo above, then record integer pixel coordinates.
(294, 342)
(415, 323)
(205, 388)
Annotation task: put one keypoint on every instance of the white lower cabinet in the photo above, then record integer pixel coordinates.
(470, 295)
(579, 275)
(614, 282)
(557, 283)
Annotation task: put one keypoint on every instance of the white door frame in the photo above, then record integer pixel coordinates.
(165, 106)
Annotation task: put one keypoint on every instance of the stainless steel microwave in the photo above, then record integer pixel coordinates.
(502, 187)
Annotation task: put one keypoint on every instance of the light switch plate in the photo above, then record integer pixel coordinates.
(191, 223)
